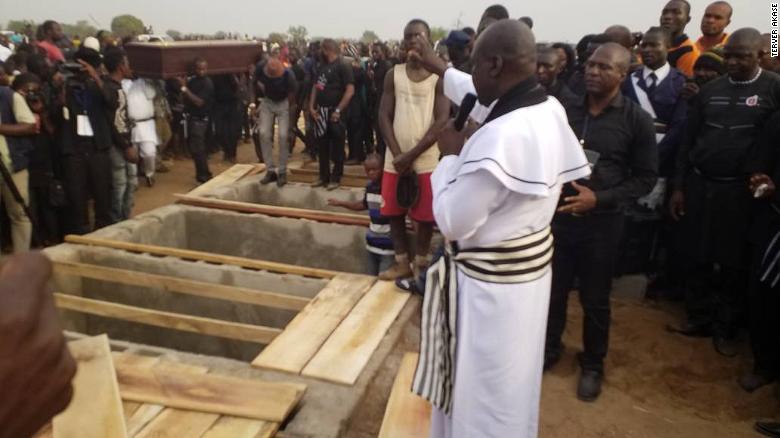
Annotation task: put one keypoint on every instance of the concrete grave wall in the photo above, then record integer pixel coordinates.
(294, 195)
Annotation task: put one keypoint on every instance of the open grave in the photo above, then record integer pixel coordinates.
(277, 298)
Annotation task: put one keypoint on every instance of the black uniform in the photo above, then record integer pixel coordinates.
(198, 124)
(85, 163)
(586, 245)
(764, 296)
(724, 123)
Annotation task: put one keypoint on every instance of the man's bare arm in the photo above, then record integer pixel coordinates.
(387, 112)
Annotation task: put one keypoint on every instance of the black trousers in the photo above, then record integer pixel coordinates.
(227, 126)
(47, 217)
(196, 131)
(86, 175)
(585, 250)
(356, 133)
(715, 296)
(764, 325)
(331, 147)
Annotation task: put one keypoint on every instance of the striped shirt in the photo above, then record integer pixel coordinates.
(378, 239)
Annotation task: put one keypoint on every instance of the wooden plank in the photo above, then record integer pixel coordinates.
(342, 358)
(407, 414)
(232, 427)
(147, 412)
(306, 333)
(183, 286)
(272, 210)
(128, 409)
(230, 176)
(174, 423)
(203, 256)
(261, 400)
(96, 408)
(309, 176)
(176, 321)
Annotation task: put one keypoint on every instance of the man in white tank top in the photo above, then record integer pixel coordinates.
(412, 111)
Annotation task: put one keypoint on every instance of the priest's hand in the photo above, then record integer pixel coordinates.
(690, 90)
(759, 180)
(677, 205)
(420, 50)
(451, 140)
(584, 201)
(36, 367)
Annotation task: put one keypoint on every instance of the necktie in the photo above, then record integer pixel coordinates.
(650, 82)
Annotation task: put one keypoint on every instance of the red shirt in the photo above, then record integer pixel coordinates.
(52, 52)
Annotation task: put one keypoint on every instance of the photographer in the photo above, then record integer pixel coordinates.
(85, 138)
(46, 192)
(17, 125)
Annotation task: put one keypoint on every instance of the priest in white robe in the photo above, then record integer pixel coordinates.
(495, 193)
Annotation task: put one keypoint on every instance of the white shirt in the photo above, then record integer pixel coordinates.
(660, 73)
(5, 52)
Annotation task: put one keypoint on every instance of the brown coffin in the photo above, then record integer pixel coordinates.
(167, 60)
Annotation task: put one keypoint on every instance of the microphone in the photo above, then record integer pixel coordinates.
(465, 109)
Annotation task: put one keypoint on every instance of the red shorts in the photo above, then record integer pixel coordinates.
(422, 211)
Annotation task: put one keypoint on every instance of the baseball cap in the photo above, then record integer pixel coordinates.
(457, 38)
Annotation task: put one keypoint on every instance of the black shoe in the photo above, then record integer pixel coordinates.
(551, 359)
(281, 180)
(752, 381)
(318, 183)
(268, 178)
(768, 428)
(725, 346)
(203, 179)
(589, 387)
(691, 330)
(408, 285)
(333, 186)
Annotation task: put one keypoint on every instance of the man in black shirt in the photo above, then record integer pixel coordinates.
(710, 199)
(548, 67)
(85, 139)
(198, 96)
(277, 89)
(376, 75)
(588, 225)
(333, 89)
(227, 114)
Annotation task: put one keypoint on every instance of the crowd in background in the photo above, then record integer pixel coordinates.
(697, 212)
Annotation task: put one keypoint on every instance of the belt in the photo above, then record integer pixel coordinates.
(720, 179)
(512, 261)
(143, 120)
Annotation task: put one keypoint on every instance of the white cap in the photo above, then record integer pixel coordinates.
(91, 43)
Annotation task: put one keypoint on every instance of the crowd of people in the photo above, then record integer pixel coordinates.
(677, 181)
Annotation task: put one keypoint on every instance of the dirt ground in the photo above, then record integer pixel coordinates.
(657, 384)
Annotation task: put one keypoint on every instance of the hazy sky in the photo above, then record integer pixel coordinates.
(555, 20)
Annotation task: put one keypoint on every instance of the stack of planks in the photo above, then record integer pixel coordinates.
(334, 336)
(122, 395)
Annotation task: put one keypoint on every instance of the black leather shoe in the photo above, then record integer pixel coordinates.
(589, 387)
(691, 330)
(268, 178)
(768, 428)
(752, 381)
(408, 285)
(281, 181)
(550, 360)
(725, 346)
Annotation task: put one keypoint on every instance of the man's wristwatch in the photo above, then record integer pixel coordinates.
(337, 111)
(183, 89)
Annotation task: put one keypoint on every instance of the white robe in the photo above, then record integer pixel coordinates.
(504, 184)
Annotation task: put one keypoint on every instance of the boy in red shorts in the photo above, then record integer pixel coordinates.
(412, 111)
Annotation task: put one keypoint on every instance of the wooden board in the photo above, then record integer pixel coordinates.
(96, 408)
(175, 423)
(342, 358)
(309, 176)
(176, 321)
(406, 415)
(183, 286)
(232, 427)
(230, 176)
(268, 401)
(203, 256)
(272, 210)
(306, 333)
